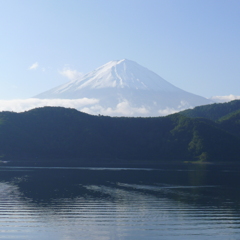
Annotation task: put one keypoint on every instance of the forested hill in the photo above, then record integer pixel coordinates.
(226, 115)
(55, 133)
(213, 111)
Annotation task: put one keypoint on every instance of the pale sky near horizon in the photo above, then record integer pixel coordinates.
(193, 44)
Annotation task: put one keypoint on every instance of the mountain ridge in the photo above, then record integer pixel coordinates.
(45, 134)
(125, 82)
(120, 74)
(214, 111)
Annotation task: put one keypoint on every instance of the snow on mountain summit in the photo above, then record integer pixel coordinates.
(126, 73)
(119, 74)
(125, 88)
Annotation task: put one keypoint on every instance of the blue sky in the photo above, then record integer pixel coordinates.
(193, 44)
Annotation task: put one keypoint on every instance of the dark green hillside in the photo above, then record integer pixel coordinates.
(66, 134)
(203, 140)
(225, 115)
(231, 123)
(213, 111)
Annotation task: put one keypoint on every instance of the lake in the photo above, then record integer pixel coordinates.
(184, 202)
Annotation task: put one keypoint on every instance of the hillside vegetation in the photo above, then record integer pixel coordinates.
(213, 111)
(55, 133)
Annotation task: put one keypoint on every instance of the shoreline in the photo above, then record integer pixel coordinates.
(109, 164)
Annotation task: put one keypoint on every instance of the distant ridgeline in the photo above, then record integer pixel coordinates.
(58, 135)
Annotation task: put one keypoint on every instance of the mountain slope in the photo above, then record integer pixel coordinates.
(231, 123)
(119, 74)
(125, 85)
(67, 134)
(225, 115)
(213, 111)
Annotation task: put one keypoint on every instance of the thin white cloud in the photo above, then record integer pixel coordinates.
(87, 105)
(122, 109)
(227, 98)
(34, 66)
(167, 111)
(21, 105)
(183, 105)
(71, 74)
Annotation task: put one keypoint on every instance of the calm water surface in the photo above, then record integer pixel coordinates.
(192, 202)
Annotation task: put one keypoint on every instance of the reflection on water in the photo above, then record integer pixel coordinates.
(63, 203)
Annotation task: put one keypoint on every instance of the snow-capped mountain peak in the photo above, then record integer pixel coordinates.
(119, 74)
(125, 88)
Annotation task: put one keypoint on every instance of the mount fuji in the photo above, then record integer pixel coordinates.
(125, 88)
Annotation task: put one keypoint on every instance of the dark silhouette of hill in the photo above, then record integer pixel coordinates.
(225, 115)
(231, 123)
(213, 111)
(62, 136)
